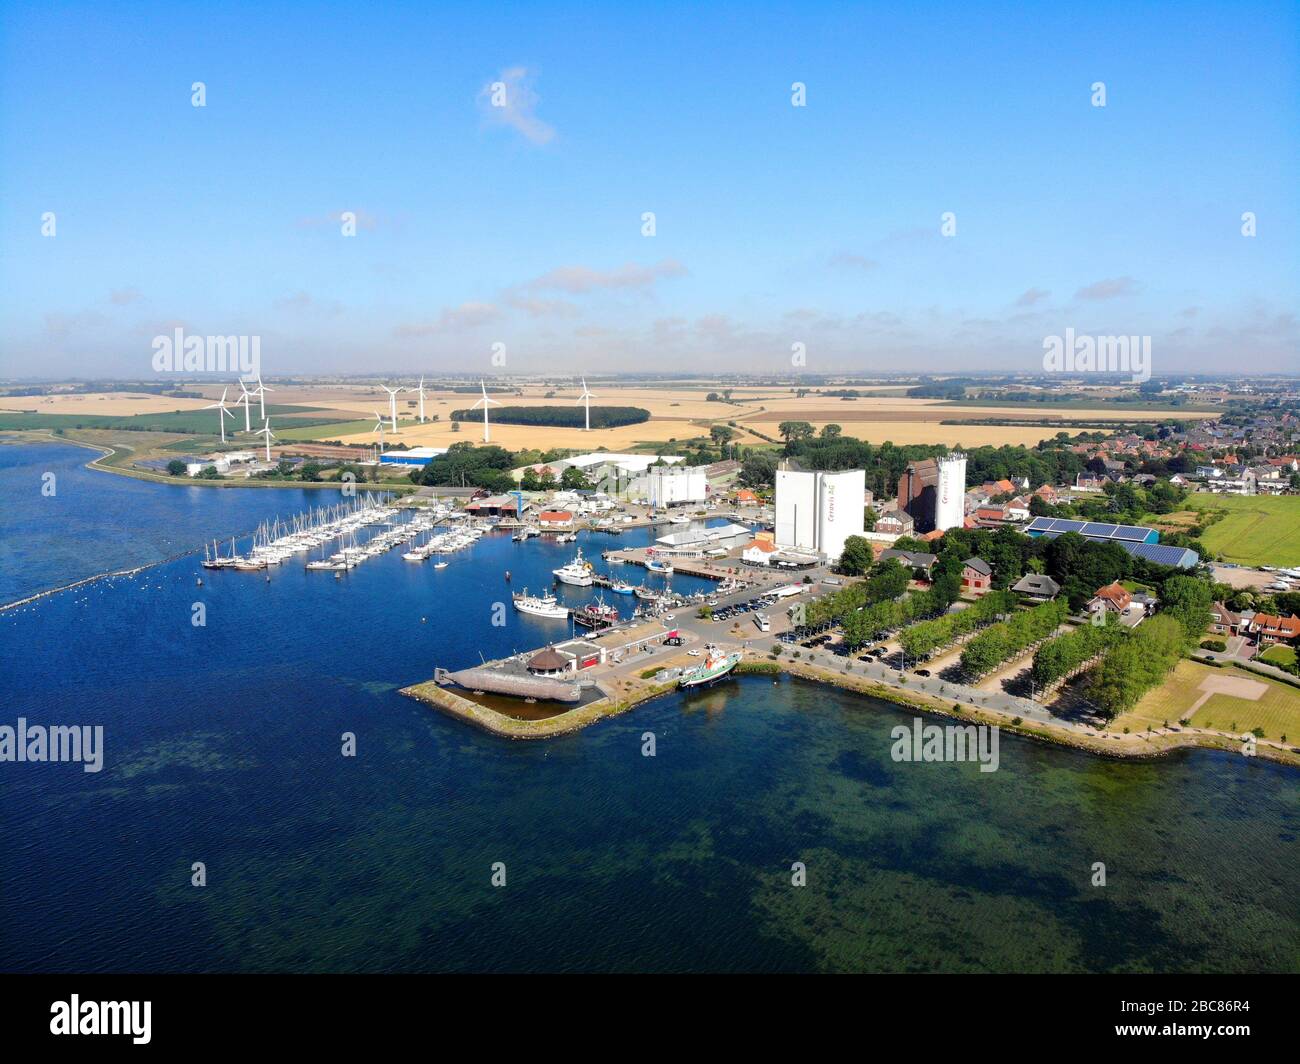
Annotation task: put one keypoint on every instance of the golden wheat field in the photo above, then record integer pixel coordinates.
(108, 404)
(677, 412)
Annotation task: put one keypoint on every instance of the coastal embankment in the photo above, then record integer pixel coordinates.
(623, 692)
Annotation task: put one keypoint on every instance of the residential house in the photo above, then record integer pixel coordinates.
(895, 523)
(1223, 621)
(914, 560)
(1036, 588)
(1114, 597)
(976, 574)
(1271, 628)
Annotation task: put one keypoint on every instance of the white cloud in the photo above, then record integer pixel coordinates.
(510, 101)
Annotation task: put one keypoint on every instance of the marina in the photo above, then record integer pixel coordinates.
(744, 749)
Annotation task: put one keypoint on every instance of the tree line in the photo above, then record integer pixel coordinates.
(1004, 641)
(602, 417)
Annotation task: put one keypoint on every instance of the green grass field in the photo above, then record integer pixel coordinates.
(1256, 530)
(1278, 655)
(189, 422)
(1277, 711)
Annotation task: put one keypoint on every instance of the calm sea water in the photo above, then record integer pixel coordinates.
(99, 522)
(223, 746)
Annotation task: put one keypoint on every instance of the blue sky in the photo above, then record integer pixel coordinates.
(775, 224)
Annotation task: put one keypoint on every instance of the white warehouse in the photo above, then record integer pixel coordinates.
(817, 511)
(669, 485)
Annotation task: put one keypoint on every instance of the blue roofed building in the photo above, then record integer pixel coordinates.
(1056, 526)
(1139, 541)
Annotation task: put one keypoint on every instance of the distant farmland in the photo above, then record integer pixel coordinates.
(190, 422)
(1255, 529)
(564, 417)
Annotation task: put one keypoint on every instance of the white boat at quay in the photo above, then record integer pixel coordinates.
(540, 605)
(577, 572)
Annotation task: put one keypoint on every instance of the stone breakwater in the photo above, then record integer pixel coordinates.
(623, 693)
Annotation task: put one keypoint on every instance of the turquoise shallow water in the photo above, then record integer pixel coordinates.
(222, 746)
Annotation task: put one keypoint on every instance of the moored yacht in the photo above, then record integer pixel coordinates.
(577, 572)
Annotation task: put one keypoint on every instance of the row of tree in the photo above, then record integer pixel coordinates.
(1004, 641)
(877, 620)
(923, 639)
(1059, 657)
(888, 580)
(1135, 664)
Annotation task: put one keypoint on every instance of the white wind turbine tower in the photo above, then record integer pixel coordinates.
(421, 391)
(247, 400)
(379, 428)
(392, 402)
(585, 398)
(262, 389)
(220, 405)
(265, 430)
(486, 401)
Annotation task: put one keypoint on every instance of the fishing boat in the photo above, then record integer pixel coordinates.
(713, 668)
(646, 594)
(598, 614)
(656, 566)
(539, 605)
(622, 587)
(577, 572)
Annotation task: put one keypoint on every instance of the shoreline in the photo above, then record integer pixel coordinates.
(108, 451)
(1136, 746)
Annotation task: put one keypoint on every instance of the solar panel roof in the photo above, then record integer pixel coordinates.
(1091, 529)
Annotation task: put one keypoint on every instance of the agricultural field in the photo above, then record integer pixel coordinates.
(679, 411)
(1256, 529)
(1224, 699)
(100, 404)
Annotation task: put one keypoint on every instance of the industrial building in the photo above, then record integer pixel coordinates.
(413, 456)
(1139, 541)
(818, 511)
(663, 486)
(933, 492)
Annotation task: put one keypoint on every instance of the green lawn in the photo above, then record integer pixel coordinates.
(1256, 529)
(1277, 711)
(1278, 655)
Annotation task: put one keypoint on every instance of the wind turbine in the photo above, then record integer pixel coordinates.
(265, 430)
(220, 405)
(379, 428)
(585, 398)
(262, 389)
(486, 401)
(392, 402)
(421, 391)
(247, 400)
